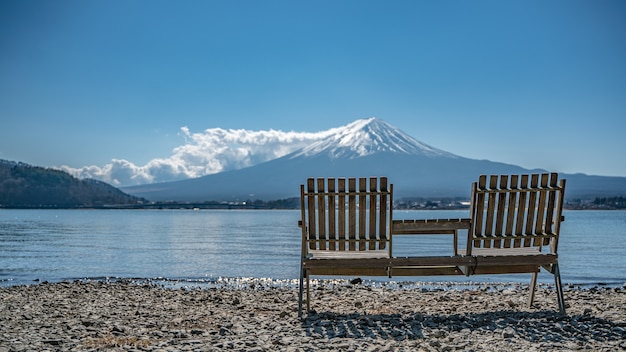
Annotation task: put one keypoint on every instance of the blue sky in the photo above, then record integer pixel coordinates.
(540, 84)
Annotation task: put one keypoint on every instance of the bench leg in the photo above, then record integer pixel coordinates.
(300, 291)
(308, 294)
(559, 288)
(533, 286)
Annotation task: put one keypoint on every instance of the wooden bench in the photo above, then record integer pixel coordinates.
(515, 225)
(348, 229)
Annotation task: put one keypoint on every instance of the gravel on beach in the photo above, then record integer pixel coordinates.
(131, 316)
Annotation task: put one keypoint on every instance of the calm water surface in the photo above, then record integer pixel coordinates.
(55, 245)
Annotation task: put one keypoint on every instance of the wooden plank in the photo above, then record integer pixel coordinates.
(361, 232)
(554, 243)
(522, 251)
(426, 271)
(489, 191)
(541, 209)
(332, 230)
(530, 211)
(364, 263)
(411, 232)
(491, 204)
(479, 205)
(348, 271)
(311, 214)
(321, 213)
(352, 212)
(302, 224)
(512, 263)
(500, 215)
(551, 207)
(355, 193)
(521, 212)
(505, 269)
(336, 255)
(505, 260)
(356, 240)
(540, 235)
(373, 200)
(430, 226)
(341, 210)
(382, 214)
(432, 261)
(510, 212)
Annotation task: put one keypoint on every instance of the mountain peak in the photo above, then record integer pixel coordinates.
(368, 136)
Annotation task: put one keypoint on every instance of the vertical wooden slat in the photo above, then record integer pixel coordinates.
(521, 211)
(551, 207)
(362, 213)
(373, 199)
(480, 209)
(504, 180)
(554, 244)
(510, 212)
(321, 213)
(491, 204)
(530, 211)
(310, 184)
(390, 222)
(352, 212)
(471, 233)
(382, 214)
(332, 231)
(341, 210)
(541, 209)
(304, 227)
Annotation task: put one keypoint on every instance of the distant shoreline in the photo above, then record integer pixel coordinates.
(269, 206)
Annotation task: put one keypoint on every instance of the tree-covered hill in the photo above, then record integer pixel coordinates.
(26, 186)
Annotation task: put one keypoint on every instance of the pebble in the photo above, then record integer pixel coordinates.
(76, 316)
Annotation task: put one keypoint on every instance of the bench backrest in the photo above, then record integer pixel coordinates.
(340, 214)
(511, 211)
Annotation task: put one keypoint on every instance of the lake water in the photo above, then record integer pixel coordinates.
(202, 246)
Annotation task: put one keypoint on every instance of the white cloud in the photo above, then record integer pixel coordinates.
(212, 151)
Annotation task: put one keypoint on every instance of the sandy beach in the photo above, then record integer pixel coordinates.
(78, 316)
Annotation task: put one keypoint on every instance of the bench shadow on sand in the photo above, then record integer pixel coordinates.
(548, 326)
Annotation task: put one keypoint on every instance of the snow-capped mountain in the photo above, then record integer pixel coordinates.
(367, 147)
(368, 136)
